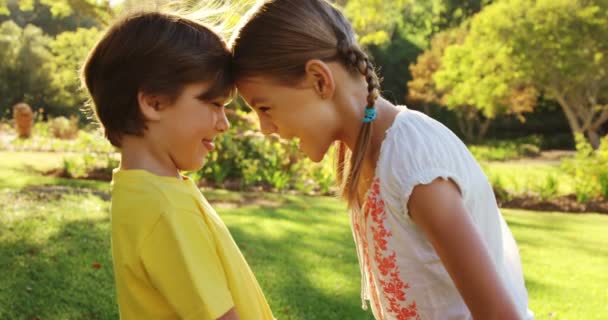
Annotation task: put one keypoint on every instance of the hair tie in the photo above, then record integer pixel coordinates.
(370, 114)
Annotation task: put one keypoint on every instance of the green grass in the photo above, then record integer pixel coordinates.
(22, 169)
(565, 261)
(300, 249)
(48, 247)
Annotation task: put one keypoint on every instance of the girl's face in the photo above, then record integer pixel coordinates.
(293, 111)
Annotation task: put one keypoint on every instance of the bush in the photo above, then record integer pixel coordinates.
(64, 128)
(88, 164)
(548, 188)
(500, 191)
(247, 159)
(589, 169)
(507, 150)
(44, 139)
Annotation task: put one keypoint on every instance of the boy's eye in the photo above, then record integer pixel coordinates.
(263, 109)
(217, 104)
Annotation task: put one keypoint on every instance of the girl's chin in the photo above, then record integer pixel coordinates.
(315, 155)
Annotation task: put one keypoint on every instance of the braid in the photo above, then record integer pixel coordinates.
(359, 61)
(356, 60)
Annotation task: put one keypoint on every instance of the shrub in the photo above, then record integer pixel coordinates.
(64, 128)
(589, 169)
(548, 188)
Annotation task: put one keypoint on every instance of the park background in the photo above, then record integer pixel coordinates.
(524, 83)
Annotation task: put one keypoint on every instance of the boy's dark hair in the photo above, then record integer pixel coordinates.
(155, 53)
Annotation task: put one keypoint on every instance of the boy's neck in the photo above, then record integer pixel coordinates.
(136, 154)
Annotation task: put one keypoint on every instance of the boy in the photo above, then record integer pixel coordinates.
(158, 83)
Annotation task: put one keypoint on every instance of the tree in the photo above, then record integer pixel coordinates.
(3, 8)
(558, 46)
(465, 81)
(52, 22)
(24, 65)
(69, 50)
(99, 10)
(422, 89)
(396, 32)
(376, 20)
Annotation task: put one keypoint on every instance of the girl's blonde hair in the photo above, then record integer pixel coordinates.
(278, 37)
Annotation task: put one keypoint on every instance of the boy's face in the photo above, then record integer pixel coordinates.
(188, 126)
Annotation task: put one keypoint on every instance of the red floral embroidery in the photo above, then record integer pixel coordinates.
(374, 298)
(392, 286)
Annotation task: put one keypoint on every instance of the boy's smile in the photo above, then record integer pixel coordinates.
(187, 127)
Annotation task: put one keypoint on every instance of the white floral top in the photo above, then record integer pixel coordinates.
(402, 275)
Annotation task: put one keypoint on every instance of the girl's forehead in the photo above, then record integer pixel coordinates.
(259, 80)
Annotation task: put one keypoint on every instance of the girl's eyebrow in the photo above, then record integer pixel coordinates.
(203, 94)
(257, 100)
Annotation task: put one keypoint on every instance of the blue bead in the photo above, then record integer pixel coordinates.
(370, 115)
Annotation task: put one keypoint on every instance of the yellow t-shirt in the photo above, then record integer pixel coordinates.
(173, 256)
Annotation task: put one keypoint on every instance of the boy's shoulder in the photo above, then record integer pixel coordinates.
(138, 192)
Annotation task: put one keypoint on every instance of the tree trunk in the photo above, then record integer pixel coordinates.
(593, 137)
(483, 130)
(470, 124)
(590, 128)
(575, 127)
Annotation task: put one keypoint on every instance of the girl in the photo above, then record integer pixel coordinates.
(431, 241)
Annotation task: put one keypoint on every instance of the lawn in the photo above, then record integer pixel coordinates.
(55, 254)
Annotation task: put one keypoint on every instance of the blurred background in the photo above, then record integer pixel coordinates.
(523, 82)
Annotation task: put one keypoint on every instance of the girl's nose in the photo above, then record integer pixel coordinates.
(222, 124)
(267, 126)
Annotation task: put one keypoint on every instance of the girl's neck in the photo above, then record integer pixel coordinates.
(386, 114)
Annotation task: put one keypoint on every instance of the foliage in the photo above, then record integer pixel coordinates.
(448, 76)
(376, 20)
(503, 150)
(100, 10)
(548, 188)
(557, 46)
(511, 179)
(23, 64)
(44, 139)
(589, 169)
(244, 158)
(69, 50)
(81, 165)
(64, 128)
(475, 80)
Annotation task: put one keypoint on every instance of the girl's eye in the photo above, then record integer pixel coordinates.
(217, 104)
(263, 109)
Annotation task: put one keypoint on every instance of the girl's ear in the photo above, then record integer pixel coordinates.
(150, 105)
(320, 76)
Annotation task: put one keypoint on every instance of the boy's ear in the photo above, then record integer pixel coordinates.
(320, 75)
(149, 105)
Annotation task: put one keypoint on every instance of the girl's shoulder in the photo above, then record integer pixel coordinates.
(417, 143)
(415, 130)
